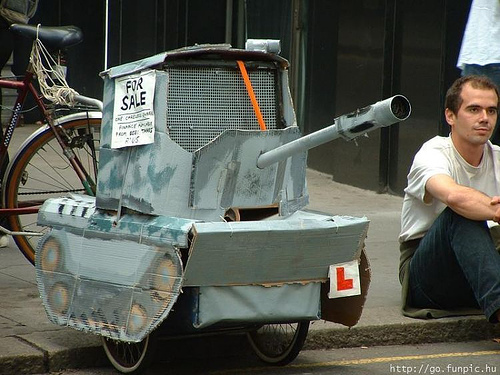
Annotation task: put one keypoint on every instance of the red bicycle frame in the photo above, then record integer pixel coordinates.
(23, 88)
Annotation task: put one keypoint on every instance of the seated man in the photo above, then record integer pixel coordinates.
(449, 264)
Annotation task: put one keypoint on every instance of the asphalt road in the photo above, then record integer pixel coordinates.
(482, 357)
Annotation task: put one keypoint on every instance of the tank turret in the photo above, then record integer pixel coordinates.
(218, 112)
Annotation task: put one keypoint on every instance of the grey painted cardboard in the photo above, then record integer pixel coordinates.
(159, 204)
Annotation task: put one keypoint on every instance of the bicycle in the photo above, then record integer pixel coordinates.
(60, 157)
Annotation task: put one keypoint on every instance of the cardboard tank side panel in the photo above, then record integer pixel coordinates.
(78, 214)
(157, 230)
(73, 212)
(225, 173)
(107, 113)
(122, 293)
(141, 177)
(255, 303)
(288, 110)
(299, 248)
(112, 162)
(117, 278)
(289, 206)
(155, 172)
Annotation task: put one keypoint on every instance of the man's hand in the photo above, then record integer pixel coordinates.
(495, 201)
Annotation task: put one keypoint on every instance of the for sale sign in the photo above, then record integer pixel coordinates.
(133, 112)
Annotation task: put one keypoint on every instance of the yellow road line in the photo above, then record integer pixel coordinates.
(364, 361)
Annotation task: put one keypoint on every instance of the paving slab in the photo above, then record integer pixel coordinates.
(19, 357)
(68, 348)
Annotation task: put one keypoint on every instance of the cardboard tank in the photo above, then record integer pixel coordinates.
(211, 204)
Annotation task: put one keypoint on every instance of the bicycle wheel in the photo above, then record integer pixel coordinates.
(40, 171)
(130, 358)
(278, 344)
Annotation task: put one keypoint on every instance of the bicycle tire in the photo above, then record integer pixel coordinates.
(39, 171)
(278, 344)
(131, 358)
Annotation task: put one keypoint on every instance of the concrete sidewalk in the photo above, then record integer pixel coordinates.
(30, 344)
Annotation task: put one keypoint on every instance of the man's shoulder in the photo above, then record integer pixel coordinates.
(436, 143)
(438, 140)
(437, 151)
(495, 148)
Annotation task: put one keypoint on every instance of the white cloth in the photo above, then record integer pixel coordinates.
(481, 40)
(439, 156)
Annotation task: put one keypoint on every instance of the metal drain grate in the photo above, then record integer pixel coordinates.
(202, 102)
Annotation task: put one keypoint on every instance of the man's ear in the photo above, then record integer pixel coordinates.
(450, 116)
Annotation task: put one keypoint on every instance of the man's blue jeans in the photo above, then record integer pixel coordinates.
(456, 265)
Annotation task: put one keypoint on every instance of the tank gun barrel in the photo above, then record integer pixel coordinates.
(348, 126)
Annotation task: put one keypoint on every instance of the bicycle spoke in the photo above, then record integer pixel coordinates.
(50, 165)
(55, 183)
(41, 170)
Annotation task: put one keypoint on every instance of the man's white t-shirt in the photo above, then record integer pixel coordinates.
(481, 40)
(439, 156)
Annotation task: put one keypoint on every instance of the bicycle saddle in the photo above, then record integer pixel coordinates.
(52, 37)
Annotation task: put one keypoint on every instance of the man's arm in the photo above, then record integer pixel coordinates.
(465, 201)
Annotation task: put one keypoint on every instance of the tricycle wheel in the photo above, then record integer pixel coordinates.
(278, 344)
(130, 358)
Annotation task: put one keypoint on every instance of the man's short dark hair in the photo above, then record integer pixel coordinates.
(454, 100)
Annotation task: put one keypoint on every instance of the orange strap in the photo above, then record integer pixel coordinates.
(251, 94)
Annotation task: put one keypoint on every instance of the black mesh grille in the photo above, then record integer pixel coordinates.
(202, 102)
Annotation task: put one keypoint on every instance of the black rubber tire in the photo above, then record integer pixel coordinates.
(278, 344)
(130, 358)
